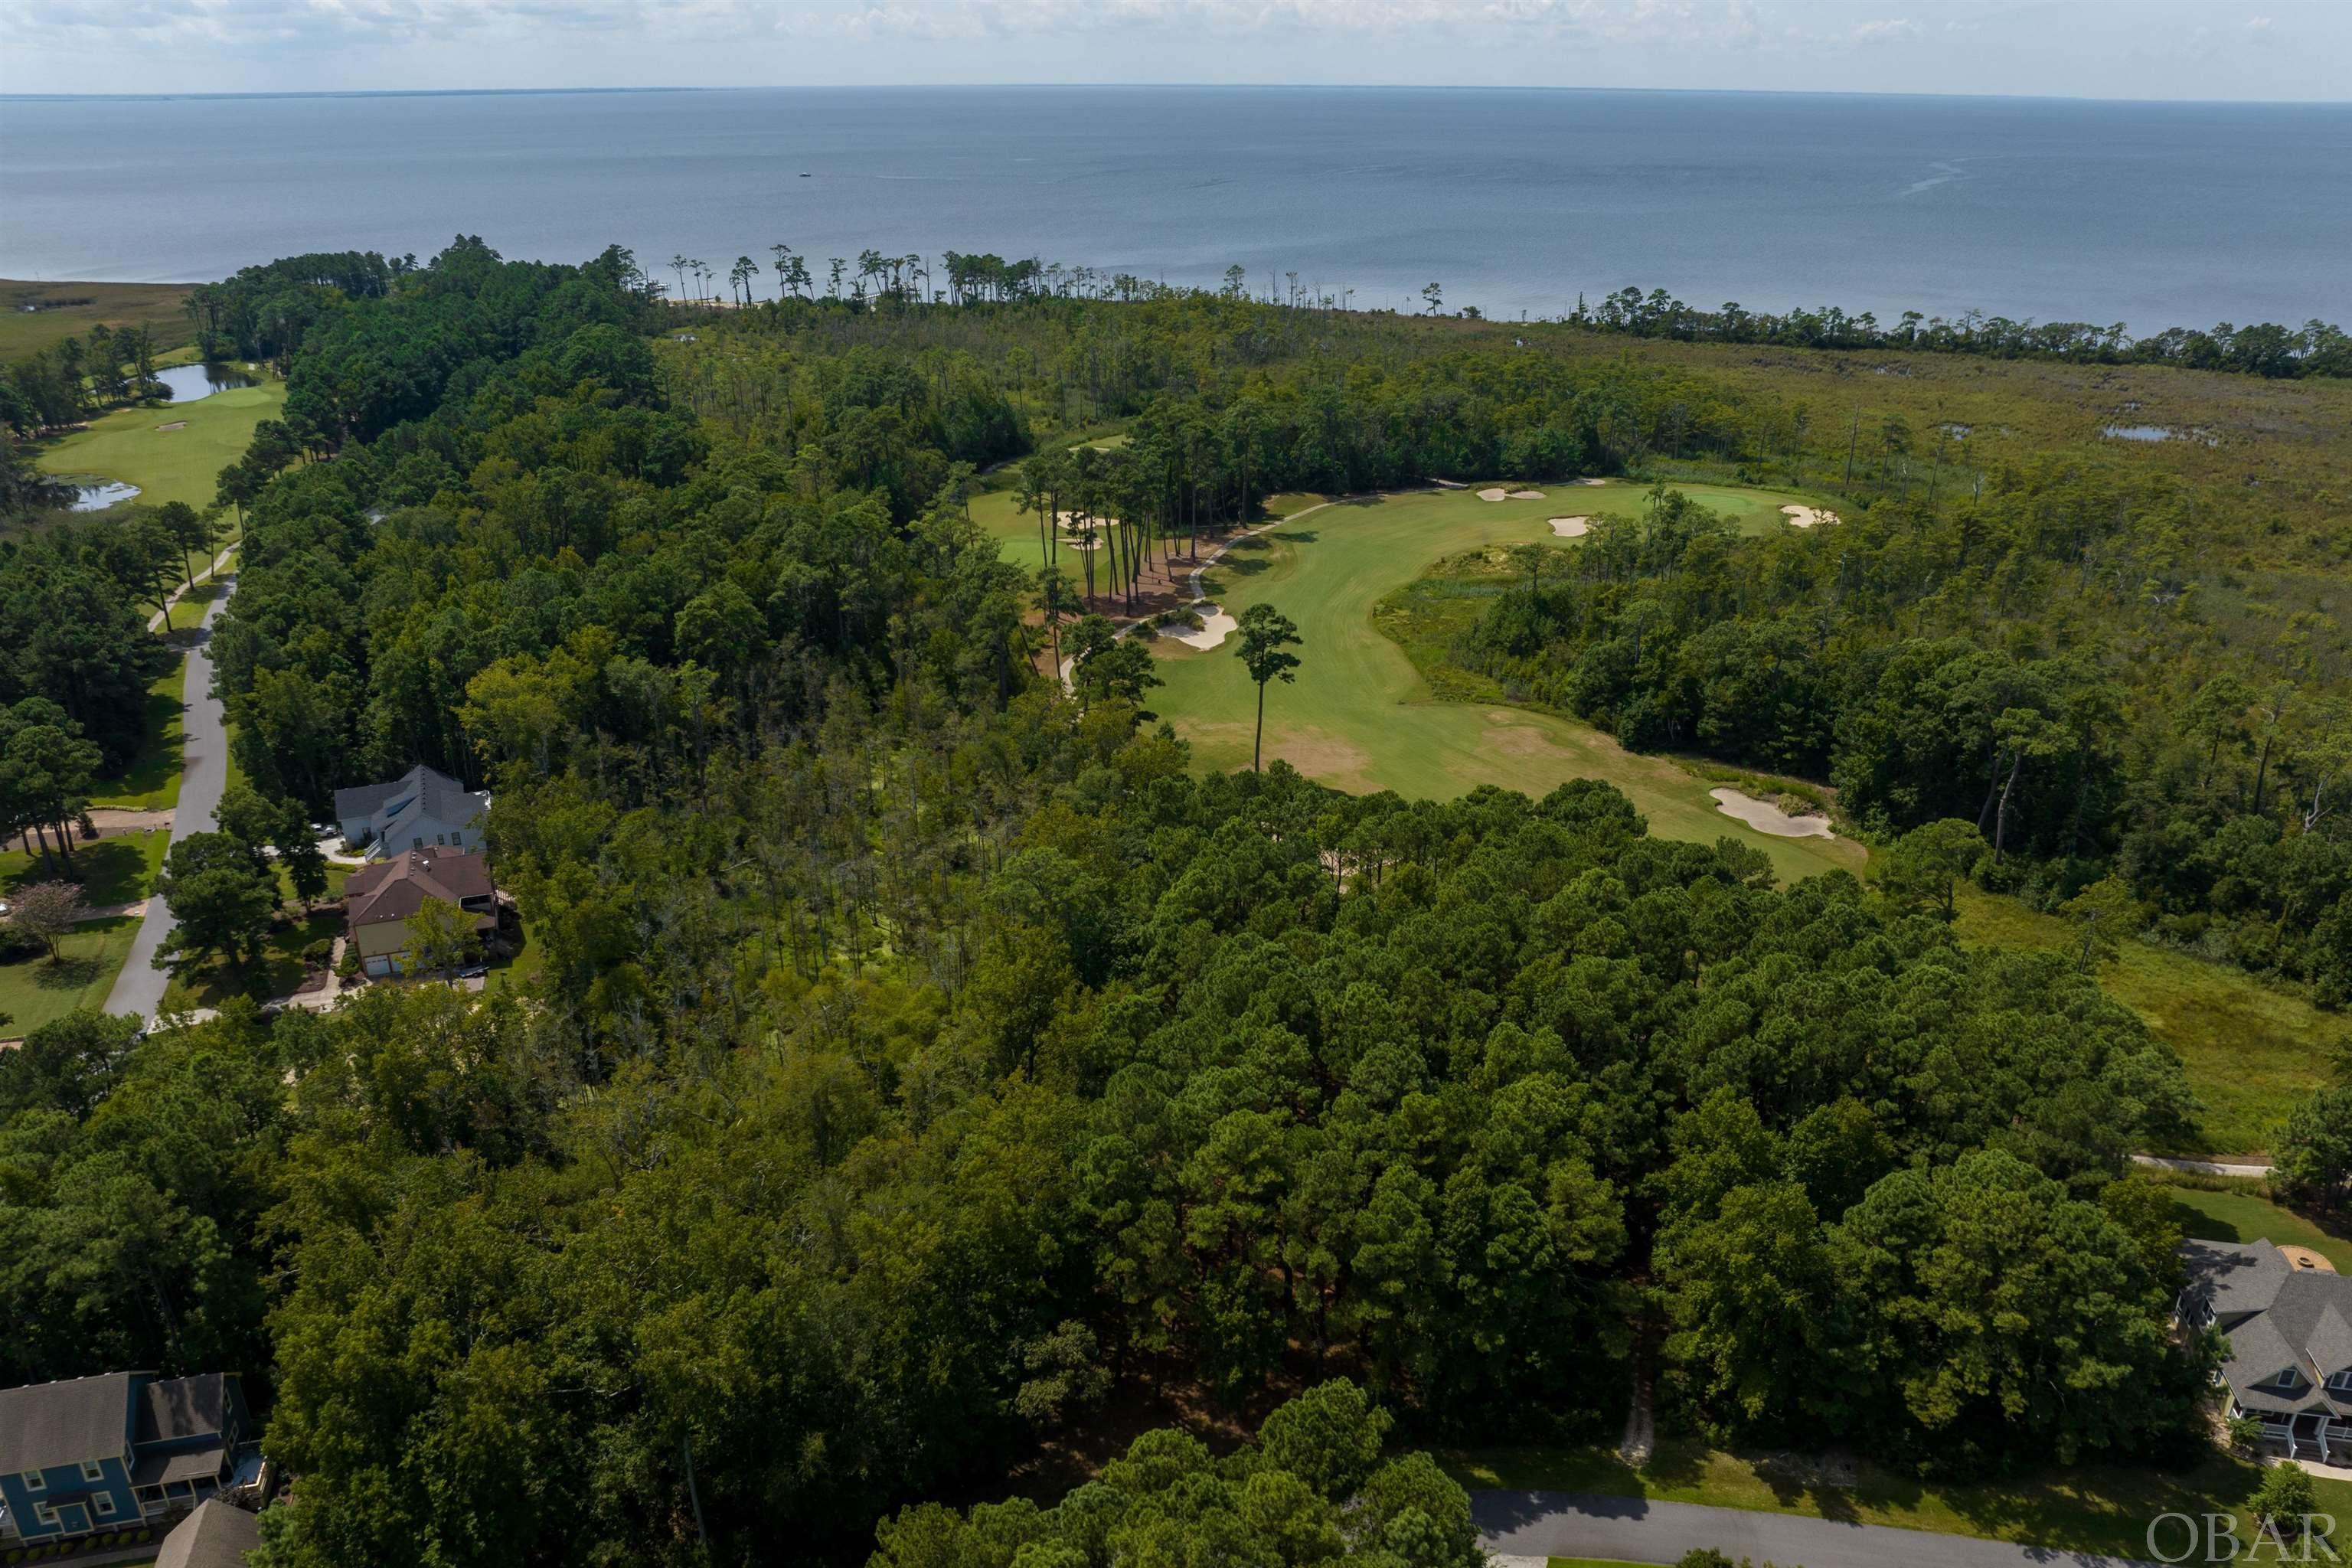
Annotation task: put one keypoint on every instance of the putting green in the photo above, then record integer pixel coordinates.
(1361, 718)
(181, 464)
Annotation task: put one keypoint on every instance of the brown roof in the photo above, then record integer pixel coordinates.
(396, 889)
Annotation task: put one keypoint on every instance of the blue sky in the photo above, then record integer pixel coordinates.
(2235, 50)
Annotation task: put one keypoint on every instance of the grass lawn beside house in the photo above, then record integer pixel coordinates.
(34, 991)
(2252, 1049)
(2090, 1508)
(2243, 1213)
(274, 973)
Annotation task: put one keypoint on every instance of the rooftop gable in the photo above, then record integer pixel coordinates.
(45, 1425)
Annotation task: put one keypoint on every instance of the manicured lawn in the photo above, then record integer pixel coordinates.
(117, 870)
(182, 465)
(34, 991)
(2090, 1508)
(151, 781)
(2249, 1216)
(276, 973)
(1361, 718)
(2252, 1049)
(160, 306)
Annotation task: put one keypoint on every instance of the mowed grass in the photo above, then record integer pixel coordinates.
(117, 870)
(152, 781)
(161, 307)
(34, 991)
(2252, 1049)
(1360, 717)
(2233, 1214)
(2085, 1507)
(182, 464)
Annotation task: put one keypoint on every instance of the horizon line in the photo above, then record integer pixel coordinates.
(164, 95)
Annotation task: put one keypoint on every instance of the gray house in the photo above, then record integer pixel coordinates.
(2290, 1336)
(217, 1535)
(421, 810)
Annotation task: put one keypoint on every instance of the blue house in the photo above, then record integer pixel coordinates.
(108, 1452)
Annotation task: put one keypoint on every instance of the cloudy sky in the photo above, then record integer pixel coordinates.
(2267, 50)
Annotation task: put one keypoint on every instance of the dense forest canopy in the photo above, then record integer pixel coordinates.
(2266, 349)
(925, 1066)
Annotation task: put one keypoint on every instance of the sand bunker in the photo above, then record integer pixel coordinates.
(1493, 492)
(1592, 482)
(1215, 627)
(1807, 516)
(1765, 818)
(1449, 484)
(174, 425)
(1527, 495)
(1571, 527)
(1081, 522)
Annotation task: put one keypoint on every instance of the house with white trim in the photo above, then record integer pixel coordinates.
(2290, 1343)
(424, 808)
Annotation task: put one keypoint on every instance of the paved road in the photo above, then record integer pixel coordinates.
(2206, 1167)
(1635, 1529)
(138, 989)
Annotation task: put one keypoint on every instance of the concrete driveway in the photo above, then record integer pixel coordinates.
(1635, 1529)
(138, 989)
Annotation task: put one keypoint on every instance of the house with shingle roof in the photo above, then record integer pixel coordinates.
(423, 808)
(379, 900)
(2289, 1332)
(93, 1453)
(217, 1535)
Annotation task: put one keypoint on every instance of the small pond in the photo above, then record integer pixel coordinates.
(99, 494)
(2156, 433)
(187, 382)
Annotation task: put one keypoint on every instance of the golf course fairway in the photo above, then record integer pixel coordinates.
(1361, 718)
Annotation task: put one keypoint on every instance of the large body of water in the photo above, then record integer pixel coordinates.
(2154, 215)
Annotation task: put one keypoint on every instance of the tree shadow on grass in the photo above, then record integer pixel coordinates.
(70, 972)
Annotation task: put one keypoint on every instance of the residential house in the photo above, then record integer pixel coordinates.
(2290, 1343)
(379, 899)
(105, 1452)
(421, 808)
(219, 1534)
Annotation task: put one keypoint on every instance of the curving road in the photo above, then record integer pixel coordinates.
(1636, 1530)
(138, 989)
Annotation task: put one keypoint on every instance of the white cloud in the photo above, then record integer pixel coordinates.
(1885, 30)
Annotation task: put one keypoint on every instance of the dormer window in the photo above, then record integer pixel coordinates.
(2286, 1378)
(2341, 1382)
(92, 1470)
(35, 1482)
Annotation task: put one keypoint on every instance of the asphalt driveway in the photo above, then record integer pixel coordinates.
(1636, 1530)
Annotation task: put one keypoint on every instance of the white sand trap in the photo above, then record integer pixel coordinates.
(1765, 818)
(1449, 484)
(1215, 627)
(1081, 522)
(1807, 516)
(1592, 482)
(1493, 492)
(1571, 527)
(174, 425)
(1527, 495)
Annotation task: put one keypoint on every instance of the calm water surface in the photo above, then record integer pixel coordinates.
(1514, 200)
(193, 382)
